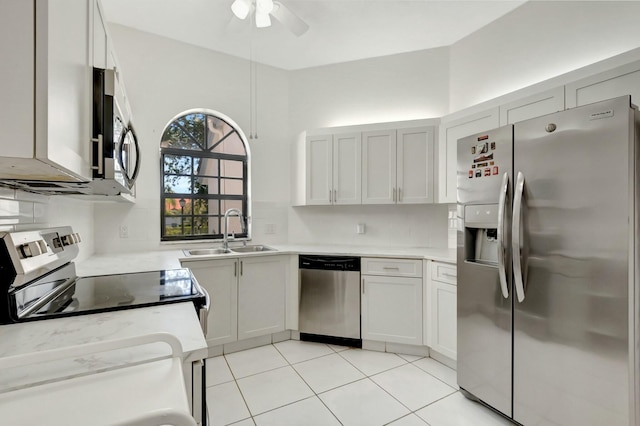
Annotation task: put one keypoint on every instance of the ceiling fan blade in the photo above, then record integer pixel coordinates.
(289, 19)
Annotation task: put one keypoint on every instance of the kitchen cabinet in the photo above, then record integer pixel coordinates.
(261, 295)
(45, 113)
(397, 166)
(620, 81)
(220, 279)
(450, 132)
(391, 298)
(100, 37)
(441, 315)
(247, 295)
(543, 103)
(333, 164)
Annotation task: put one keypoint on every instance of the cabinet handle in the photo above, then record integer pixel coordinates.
(399, 194)
(235, 268)
(241, 268)
(391, 267)
(330, 195)
(335, 196)
(394, 194)
(363, 286)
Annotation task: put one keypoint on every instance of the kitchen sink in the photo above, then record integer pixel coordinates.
(205, 252)
(252, 249)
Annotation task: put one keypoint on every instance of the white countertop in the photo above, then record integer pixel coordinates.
(102, 264)
(179, 319)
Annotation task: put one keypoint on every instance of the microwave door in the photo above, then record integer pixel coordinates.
(128, 153)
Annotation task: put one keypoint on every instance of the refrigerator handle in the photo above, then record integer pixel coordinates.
(502, 209)
(515, 237)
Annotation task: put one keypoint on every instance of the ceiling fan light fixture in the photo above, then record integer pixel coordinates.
(262, 19)
(264, 6)
(241, 8)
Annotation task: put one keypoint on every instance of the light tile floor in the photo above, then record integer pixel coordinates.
(305, 384)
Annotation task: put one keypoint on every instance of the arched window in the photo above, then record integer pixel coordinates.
(205, 171)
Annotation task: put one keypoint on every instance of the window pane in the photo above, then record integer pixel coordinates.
(174, 226)
(177, 184)
(177, 164)
(231, 204)
(204, 185)
(206, 166)
(232, 187)
(231, 145)
(230, 168)
(172, 206)
(186, 132)
(205, 225)
(217, 130)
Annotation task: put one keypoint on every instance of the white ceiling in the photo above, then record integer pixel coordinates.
(340, 30)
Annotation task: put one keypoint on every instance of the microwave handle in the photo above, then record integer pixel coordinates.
(100, 141)
(130, 179)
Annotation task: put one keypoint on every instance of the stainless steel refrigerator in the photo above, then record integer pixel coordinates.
(547, 252)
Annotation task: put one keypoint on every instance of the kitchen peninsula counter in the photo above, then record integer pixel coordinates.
(179, 319)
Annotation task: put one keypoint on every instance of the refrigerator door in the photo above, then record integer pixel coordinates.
(571, 239)
(484, 284)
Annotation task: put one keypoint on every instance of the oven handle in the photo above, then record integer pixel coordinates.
(203, 312)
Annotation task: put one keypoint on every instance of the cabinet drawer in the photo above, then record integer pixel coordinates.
(392, 267)
(444, 272)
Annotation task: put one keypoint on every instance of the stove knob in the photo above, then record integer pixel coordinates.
(31, 249)
(68, 240)
(77, 236)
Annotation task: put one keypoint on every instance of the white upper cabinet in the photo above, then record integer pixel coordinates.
(450, 132)
(624, 80)
(100, 43)
(347, 164)
(319, 174)
(547, 102)
(415, 165)
(379, 167)
(333, 169)
(45, 111)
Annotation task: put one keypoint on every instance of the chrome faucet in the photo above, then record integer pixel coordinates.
(225, 235)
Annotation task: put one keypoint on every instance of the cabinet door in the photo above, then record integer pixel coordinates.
(319, 188)
(17, 38)
(450, 132)
(392, 309)
(63, 84)
(100, 48)
(532, 106)
(219, 278)
(415, 164)
(261, 295)
(443, 319)
(347, 169)
(379, 167)
(624, 80)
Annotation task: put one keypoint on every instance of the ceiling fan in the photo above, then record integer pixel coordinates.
(264, 9)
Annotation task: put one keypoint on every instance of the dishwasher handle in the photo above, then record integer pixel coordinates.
(329, 263)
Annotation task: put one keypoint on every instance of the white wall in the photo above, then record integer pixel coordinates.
(23, 210)
(538, 41)
(164, 78)
(392, 88)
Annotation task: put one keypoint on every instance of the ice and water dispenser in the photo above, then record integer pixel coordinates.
(481, 233)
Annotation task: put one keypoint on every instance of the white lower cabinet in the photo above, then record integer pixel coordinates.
(442, 308)
(392, 305)
(247, 295)
(261, 295)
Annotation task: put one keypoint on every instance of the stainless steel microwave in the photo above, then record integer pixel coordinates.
(115, 155)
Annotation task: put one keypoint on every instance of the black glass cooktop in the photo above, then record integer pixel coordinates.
(57, 295)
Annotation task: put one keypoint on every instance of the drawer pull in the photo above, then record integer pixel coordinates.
(391, 267)
(444, 274)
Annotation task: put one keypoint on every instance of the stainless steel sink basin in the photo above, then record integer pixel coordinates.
(205, 252)
(252, 249)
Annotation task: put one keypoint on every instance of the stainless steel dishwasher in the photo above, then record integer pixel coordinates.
(330, 299)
